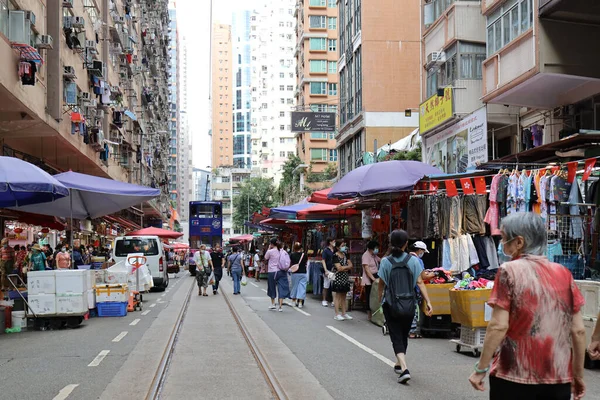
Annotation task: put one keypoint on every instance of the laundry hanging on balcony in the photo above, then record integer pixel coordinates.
(27, 70)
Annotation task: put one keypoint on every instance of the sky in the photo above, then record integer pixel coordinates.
(193, 23)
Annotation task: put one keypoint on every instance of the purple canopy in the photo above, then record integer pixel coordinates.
(289, 212)
(93, 197)
(383, 177)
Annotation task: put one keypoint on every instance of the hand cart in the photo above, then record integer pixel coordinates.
(471, 338)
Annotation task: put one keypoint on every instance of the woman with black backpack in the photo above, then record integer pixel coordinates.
(399, 274)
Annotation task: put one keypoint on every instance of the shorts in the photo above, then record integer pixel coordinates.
(326, 282)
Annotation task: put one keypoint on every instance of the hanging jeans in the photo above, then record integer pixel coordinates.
(399, 329)
(236, 273)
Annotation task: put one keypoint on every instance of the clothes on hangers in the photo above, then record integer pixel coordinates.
(493, 213)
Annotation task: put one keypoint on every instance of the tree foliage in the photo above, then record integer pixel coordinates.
(414, 155)
(289, 185)
(256, 193)
(328, 174)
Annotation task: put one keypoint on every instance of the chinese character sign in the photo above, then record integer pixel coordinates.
(435, 111)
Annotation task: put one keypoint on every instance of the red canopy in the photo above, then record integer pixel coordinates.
(161, 233)
(320, 197)
(242, 238)
(45, 221)
(180, 246)
(324, 211)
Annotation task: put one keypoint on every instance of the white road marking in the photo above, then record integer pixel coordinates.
(65, 392)
(301, 311)
(120, 336)
(264, 290)
(362, 346)
(135, 322)
(99, 358)
(253, 284)
(152, 305)
(146, 312)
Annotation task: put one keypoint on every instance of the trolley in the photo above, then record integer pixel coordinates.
(471, 338)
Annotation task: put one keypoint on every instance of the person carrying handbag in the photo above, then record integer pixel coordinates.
(204, 269)
(299, 278)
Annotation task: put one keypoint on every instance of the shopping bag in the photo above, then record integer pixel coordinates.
(211, 278)
(244, 280)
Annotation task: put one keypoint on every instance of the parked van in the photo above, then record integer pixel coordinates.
(152, 248)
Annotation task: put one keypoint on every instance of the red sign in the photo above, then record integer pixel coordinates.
(589, 166)
(434, 186)
(467, 186)
(205, 229)
(572, 167)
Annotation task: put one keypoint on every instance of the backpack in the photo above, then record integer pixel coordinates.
(284, 260)
(400, 293)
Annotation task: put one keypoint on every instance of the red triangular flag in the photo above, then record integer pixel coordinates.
(467, 186)
(572, 167)
(555, 168)
(434, 186)
(451, 188)
(589, 165)
(480, 186)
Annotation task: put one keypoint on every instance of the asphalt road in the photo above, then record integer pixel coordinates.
(351, 358)
(38, 365)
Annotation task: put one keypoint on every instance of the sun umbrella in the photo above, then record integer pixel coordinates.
(161, 233)
(22, 183)
(383, 177)
(320, 197)
(324, 211)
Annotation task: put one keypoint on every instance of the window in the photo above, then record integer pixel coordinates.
(332, 3)
(333, 155)
(318, 44)
(282, 113)
(318, 107)
(264, 144)
(282, 140)
(331, 23)
(282, 100)
(332, 44)
(290, 101)
(318, 135)
(254, 162)
(332, 67)
(290, 88)
(317, 3)
(282, 127)
(507, 23)
(264, 170)
(317, 21)
(318, 154)
(318, 66)
(331, 135)
(318, 88)
(264, 106)
(290, 153)
(282, 87)
(282, 154)
(332, 88)
(471, 60)
(282, 75)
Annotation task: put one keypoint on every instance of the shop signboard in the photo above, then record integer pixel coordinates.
(436, 110)
(313, 121)
(460, 146)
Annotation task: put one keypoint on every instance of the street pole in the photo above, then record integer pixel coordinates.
(375, 149)
(141, 180)
(248, 210)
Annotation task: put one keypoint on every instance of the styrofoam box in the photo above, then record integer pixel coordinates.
(112, 293)
(116, 277)
(100, 277)
(72, 303)
(72, 281)
(591, 293)
(91, 298)
(39, 282)
(590, 325)
(42, 304)
(91, 279)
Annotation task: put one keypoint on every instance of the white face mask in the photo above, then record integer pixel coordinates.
(421, 254)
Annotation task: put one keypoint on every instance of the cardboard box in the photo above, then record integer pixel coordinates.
(42, 304)
(591, 293)
(72, 281)
(112, 293)
(439, 295)
(72, 303)
(41, 282)
(468, 307)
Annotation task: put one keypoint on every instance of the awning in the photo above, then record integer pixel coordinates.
(288, 212)
(241, 239)
(325, 211)
(44, 221)
(320, 197)
(130, 115)
(27, 53)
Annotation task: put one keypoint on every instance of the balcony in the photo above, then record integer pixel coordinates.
(578, 11)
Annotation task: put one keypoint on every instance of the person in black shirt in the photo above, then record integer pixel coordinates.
(299, 279)
(328, 267)
(217, 260)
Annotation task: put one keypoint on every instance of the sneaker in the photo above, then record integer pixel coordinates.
(324, 304)
(338, 318)
(272, 307)
(347, 316)
(398, 369)
(404, 377)
(280, 309)
(300, 305)
(332, 304)
(214, 292)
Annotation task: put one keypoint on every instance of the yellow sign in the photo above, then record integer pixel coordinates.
(435, 111)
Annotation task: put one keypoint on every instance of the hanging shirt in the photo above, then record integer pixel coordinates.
(511, 194)
(576, 227)
(538, 135)
(542, 199)
(492, 214)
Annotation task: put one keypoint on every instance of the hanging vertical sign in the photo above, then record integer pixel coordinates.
(367, 224)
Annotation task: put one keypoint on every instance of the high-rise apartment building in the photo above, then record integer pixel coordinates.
(379, 47)
(317, 77)
(273, 82)
(93, 96)
(184, 145)
(221, 96)
(225, 184)
(173, 101)
(201, 179)
(240, 81)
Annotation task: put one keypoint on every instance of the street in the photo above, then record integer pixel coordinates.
(309, 354)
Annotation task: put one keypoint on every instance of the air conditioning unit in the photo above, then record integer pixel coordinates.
(67, 22)
(68, 3)
(69, 72)
(117, 49)
(91, 46)
(119, 19)
(78, 22)
(436, 58)
(85, 96)
(44, 42)
(30, 16)
(99, 113)
(91, 103)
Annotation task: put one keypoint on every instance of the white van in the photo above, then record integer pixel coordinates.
(151, 246)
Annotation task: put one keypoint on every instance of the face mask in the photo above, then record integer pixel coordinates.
(509, 256)
(421, 255)
(343, 249)
(376, 251)
(63, 249)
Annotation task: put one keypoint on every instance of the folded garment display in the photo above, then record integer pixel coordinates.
(470, 283)
(441, 276)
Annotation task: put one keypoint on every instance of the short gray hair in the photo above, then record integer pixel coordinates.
(531, 228)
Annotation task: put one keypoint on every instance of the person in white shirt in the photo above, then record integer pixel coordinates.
(204, 268)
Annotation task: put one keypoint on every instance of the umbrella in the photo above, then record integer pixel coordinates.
(161, 233)
(383, 177)
(288, 212)
(93, 197)
(180, 246)
(22, 183)
(324, 211)
(242, 238)
(320, 197)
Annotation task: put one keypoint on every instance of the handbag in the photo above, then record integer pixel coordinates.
(295, 267)
(244, 280)
(211, 278)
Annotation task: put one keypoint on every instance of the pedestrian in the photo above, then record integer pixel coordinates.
(63, 259)
(258, 266)
(418, 250)
(77, 257)
(278, 285)
(298, 259)
(340, 285)
(327, 267)
(217, 262)
(236, 268)
(20, 255)
(37, 260)
(7, 261)
(594, 347)
(399, 274)
(203, 269)
(536, 335)
(370, 265)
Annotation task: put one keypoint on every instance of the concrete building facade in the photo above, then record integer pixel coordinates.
(184, 144)
(173, 101)
(317, 87)
(201, 181)
(225, 184)
(221, 96)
